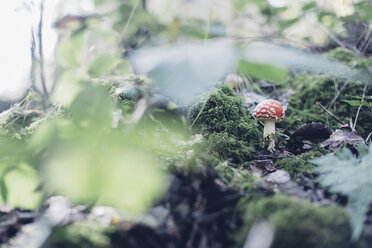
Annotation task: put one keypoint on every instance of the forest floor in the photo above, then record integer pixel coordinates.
(226, 189)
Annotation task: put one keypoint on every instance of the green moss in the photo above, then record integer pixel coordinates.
(298, 165)
(230, 133)
(238, 178)
(297, 223)
(132, 87)
(228, 147)
(341, 54)
(310, 89)
(348, 56)
(315, 88)
(79, 234)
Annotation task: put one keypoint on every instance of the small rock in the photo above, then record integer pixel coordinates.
(105, 215)
(262, 167)
(278, 177)
(312, 131)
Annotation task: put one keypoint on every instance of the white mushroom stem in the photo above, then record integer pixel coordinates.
(269, 130)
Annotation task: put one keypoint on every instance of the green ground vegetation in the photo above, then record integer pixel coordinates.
(297, 223)
(299, 165)
(229, 131)
(331, 93)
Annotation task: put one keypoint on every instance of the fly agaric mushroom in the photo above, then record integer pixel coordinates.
(269, 111)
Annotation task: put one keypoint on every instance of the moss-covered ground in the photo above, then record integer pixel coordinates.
(331, 93)
(297, 223)
(230, 132)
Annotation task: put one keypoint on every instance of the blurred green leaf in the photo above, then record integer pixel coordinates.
(287, 23)
(107, 170)
(102, 65)
(70, 51)
(68, 86)
(185, 71)
(263, 71)
(92, 107)
(239, 5)
(309, 6)
(18, 186)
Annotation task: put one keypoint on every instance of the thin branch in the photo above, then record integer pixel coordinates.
(332, 35)
(361, 37)
(33, 64)
(33, 59)
(330, 114)
(367, 43)
(41, 56)
(128, 21)
(360, 106)
(338, 93)
(368, 137)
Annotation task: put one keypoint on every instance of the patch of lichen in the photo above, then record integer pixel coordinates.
(323, 89)
(230, 133)
(299, 165)
(297, 223)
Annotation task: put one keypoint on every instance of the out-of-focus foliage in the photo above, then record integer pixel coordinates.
(91, 163)
(297, 222)
(82, 157)
(184, 71)
(18, 185)
(344, 173)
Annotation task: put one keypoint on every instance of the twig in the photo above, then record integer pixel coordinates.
(332, 36)
(32, 72)
(33, 59)
(41, 56)
(200, 204)
(360, 37)
(128, 21)
(330, 114)
(368, 137)
(360, 106)
(338, 92)
(367, 43)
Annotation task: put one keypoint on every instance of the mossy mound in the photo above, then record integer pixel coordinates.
(331, 94)
(297, 223)
(82, 234)
(230, 133)
(238, 178)
(347, 56)
(298, 165)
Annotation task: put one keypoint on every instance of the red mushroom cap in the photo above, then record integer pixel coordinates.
(268, 110)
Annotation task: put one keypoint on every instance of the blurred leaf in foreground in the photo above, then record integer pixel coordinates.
(184, 71)
(351, 176)
(18, 186)
(263, 71)
(89, 162)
